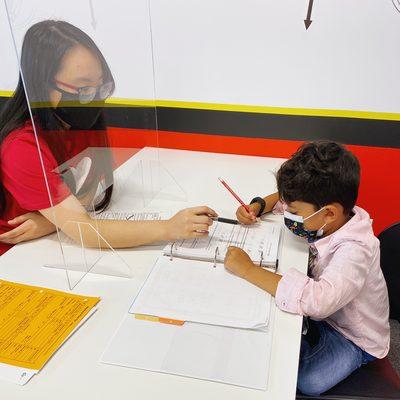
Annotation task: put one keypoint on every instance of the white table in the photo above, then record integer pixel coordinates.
(75, 371)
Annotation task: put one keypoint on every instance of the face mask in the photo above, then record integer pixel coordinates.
(79, 118)
(295, 223)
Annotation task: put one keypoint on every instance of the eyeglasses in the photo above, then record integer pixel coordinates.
(87, 94)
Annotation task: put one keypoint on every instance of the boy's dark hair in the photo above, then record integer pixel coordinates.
(320, 173)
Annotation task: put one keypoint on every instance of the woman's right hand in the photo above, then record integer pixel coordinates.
(27, 227)
(190, 223)
(248, 218)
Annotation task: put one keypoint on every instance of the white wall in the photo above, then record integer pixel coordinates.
(8, 63)
(120, 29)
(239, 51)
(258, 52)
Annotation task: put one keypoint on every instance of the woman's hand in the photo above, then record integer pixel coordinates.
(238, 262)
(190, 223)
(248, 218)
(28, 226)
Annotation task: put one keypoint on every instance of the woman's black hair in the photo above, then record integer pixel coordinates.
(43, 49)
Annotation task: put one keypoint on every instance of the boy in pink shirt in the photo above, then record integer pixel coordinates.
(344, 294)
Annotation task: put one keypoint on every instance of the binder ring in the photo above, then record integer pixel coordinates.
(171, 255)
(261, 258)
(215, 256)
(276, 265)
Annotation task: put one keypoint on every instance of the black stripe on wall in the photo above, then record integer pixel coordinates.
(367, 132)
(124, 117)
(131, 117)
(2, 101)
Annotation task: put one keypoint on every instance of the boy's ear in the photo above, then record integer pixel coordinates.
(333, 211)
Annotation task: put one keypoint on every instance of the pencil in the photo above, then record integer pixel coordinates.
(234, 195)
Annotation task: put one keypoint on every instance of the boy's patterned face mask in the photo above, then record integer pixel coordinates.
(295, 223)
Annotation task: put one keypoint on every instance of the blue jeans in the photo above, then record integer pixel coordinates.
(326, 358)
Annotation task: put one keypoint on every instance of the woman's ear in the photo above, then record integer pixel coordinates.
(54, 97)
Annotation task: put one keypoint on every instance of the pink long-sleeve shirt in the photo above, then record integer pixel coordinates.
(345, 286)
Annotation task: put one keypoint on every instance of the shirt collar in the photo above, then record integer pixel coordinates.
(354, 229)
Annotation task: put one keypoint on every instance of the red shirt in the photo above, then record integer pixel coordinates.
(21, 171)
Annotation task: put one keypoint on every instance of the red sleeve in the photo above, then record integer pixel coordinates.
(22, 172)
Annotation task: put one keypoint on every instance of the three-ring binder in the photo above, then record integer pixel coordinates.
(263, 246)
(261, 258)
(171, 254)
(215, 256)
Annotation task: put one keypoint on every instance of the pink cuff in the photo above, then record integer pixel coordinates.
(278, 208)
(289, 291)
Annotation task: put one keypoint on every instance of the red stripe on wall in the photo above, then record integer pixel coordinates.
(379, 190)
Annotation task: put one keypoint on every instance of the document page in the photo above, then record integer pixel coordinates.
(35, 321)
(131, 216)
(197, 291)
(229, 355)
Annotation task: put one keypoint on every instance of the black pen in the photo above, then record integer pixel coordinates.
(226, 220)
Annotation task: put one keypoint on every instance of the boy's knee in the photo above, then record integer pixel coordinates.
(313, 383)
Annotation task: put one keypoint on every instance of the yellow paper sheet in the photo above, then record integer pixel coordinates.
(35, 321)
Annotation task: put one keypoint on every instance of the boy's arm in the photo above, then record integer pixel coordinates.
(264, 279)
(270, 202)
(339, 283)
(295, 292)
(239, 263)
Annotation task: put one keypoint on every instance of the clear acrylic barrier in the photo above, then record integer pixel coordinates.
(97, 147)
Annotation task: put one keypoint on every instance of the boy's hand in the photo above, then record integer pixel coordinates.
(238, 262)
(28, 226)
(248, 218)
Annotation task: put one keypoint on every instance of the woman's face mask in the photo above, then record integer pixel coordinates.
(78, 117)
(295, 223)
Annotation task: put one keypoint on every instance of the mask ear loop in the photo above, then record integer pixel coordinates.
(320, 231)
(316, 212)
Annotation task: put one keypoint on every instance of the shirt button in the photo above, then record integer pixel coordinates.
(283, 303)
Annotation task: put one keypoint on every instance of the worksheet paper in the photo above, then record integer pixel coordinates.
(21, 376)
(260, 241)
(228, 355)
(133, 215)
(34, 322)
(198, 291)
(17, 375)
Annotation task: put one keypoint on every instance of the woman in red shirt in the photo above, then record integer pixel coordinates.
(67, 80)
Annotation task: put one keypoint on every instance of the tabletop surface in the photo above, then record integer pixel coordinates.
(186, 178)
